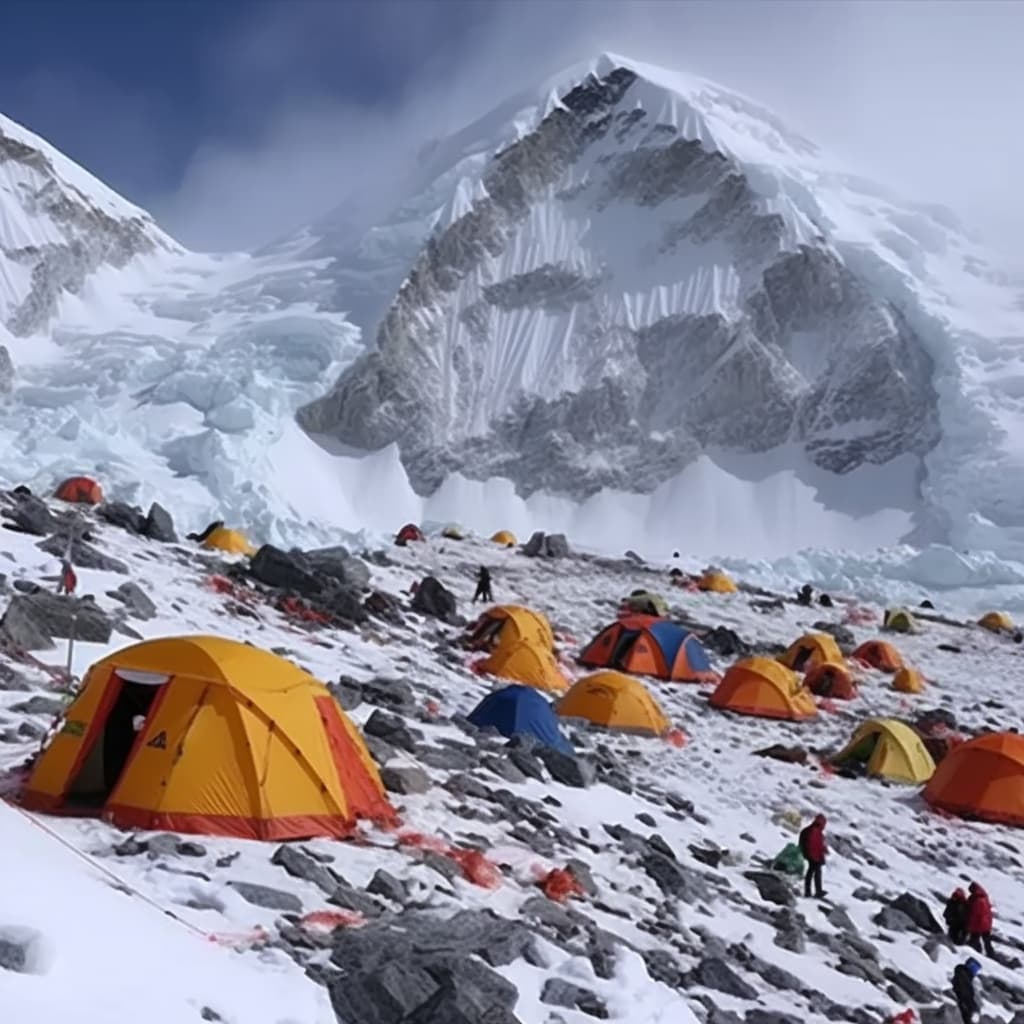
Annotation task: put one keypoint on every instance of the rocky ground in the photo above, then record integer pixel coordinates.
(673, 912)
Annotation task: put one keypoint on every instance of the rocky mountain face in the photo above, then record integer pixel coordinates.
(619, 296)
(59, 227)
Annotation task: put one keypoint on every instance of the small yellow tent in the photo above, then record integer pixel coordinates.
(908, 680)
(890, 749)
(507, 624)
(646, 602)
(810, 651)
(454, 532)
(899, 620)
(234, 542)
(615, 700)
(505, 538)
(526, 663)
(997, 622)
(717, 583)
(232, 741)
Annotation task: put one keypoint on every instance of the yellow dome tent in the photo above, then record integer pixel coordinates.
(890, 749)
(507, 624)
(997, 622)
(454, 532)
(615, 700)
(231, 741)
(899, 620)
(505, 538)
(525, 663)
(810, 651)
(234, 542)
(908, 680)
(763, 687)
(716, 583)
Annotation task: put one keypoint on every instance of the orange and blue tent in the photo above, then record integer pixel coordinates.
(647, 646)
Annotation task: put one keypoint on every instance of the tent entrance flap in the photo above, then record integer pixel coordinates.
(112, 744)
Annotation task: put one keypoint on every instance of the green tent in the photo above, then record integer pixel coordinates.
(644, 602)
(899, 620)
(790, 861)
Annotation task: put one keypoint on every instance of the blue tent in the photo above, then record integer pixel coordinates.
(518, 710)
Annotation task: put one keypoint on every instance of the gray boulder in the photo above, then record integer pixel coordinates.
(772, 887)
(433, 598)
(339, 565)
(715, 973)
(564, 768)
(893, 920)
(32, 621)
(542, 545)
(301, 865)
(557, 992)
(386, 885)
(39, 705)
(30, 514)
(83, 554)
(159, 525)
(287, 570)
(135, 599)
(405, 779)
(120, 513)
(267, 897)
(918, 911)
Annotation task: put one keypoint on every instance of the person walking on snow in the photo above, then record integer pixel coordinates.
(815, 849)
(967, 991)
(483, 586)
(955, 916)
(979, 919)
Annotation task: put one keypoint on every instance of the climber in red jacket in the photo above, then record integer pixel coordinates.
(815, 849)
(979, 919)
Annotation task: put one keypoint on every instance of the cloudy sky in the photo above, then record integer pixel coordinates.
(234, 122)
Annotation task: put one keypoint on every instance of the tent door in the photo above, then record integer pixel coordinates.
(105, 760)
(623, 647)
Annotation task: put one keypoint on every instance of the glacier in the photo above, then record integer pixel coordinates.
(660, 320)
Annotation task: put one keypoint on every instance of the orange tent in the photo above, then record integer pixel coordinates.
(982, 778)
(206, 735)
(831, 681)
(506, 624)
(879, 654)
(82, 490)
(614, 700)
(524, 662)
(762, 686)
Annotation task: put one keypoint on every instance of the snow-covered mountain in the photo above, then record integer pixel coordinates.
(628, 303)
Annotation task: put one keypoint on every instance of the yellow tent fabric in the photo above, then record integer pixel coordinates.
(899, 620)
(526, 663)
(717, 583)
(506, 538)
(508, 624)
(234, 741)
(766, 688)
(453, 532)
(646, 602)
(615, 700)
(997, 622)
(908, 680)
(810, 651)
(234, 542)
(891, 749)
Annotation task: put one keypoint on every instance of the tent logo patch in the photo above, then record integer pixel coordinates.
(159, 741)
(73, 727)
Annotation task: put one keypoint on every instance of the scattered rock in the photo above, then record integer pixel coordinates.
(135, 599)
(33, 620)
(301, 865)
(30, 514)
(348, 692)
(716, 974)
(843, 635)
(383, 605)
(83, 554)
(726, 642)
(286, 570)
(405, 779)
(541, 545)
(120, 513)
(918, 911)
(434, 599)
(339, 565)
(893, 920)
(159, 525)
(265, 896)
(674, 879)
(557, 992)
(39, 705)
(772, 887)
(386, 885)
(564, 768)
(393, 694)
(779, 752)
(392, 730)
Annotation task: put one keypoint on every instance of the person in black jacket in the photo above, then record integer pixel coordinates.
(966, 990)
(955, 916)
(483, 586)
